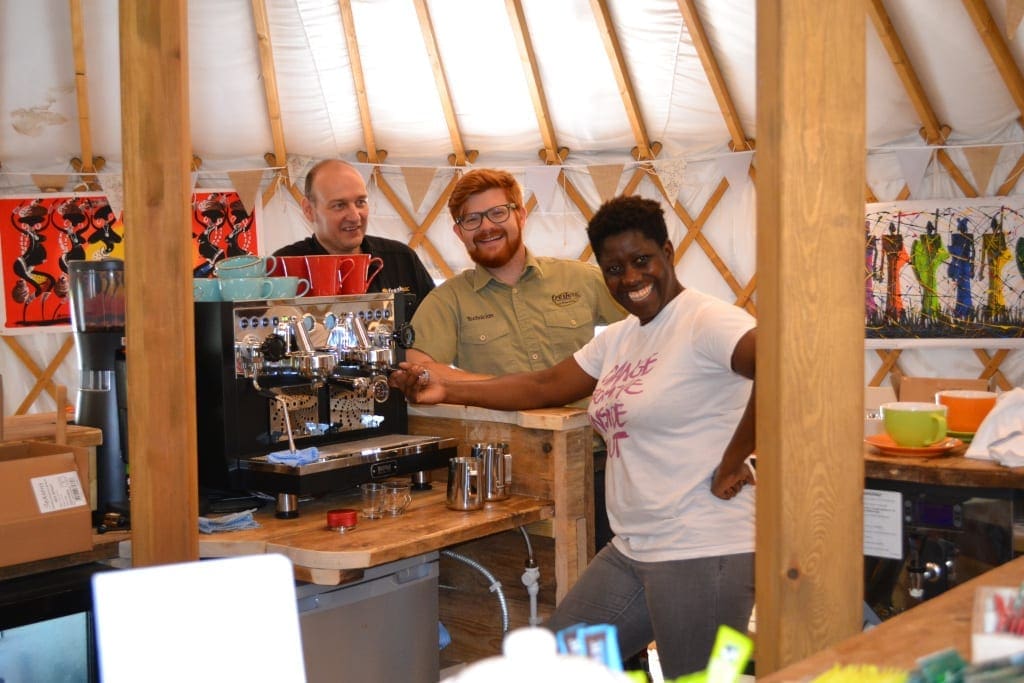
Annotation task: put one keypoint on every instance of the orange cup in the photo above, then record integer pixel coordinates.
(965, 408)
(326, 273)
(360, 278)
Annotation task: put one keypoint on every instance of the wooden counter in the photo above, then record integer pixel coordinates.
(948, 470)
(939, 623)
(331, 558)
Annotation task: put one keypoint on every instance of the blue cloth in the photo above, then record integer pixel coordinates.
(233, 522)
(444, 639)
(303, 456)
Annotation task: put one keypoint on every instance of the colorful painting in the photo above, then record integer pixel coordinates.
(43, 234)
(944, 269)
(221, 228)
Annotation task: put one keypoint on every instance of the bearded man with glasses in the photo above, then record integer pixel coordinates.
(514, 311)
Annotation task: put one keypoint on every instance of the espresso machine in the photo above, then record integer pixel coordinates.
(97, 319)
(940, 537)
(281, 376)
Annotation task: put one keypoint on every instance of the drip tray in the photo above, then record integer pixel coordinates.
(354, 453)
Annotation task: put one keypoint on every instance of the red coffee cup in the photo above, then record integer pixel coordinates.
(326, 274)
(292, 266)
(360, 278)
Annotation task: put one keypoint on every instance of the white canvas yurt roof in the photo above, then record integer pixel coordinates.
(581, 99)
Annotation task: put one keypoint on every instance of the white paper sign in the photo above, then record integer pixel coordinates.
(58, 492)
(883, 524)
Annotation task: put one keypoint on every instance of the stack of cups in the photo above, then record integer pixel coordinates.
(965, 410)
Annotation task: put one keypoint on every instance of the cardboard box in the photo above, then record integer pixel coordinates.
(924, 388)
(45, 510)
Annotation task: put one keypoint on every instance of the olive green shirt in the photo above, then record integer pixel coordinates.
(481, 325)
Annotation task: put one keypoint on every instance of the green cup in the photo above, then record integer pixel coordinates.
(914, 425)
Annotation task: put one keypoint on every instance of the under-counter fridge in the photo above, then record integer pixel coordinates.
(380, 628)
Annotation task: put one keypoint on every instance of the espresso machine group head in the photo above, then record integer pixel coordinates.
(305, 374)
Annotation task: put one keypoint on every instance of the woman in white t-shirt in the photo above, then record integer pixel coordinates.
(672, 396)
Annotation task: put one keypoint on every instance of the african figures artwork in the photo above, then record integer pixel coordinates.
(41, 236)
(221, 227)
(960, 284)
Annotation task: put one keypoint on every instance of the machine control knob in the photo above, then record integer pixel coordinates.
(379, 389)
(405, 336)
(274, 348)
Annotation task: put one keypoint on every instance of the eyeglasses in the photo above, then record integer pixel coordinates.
(495, 214)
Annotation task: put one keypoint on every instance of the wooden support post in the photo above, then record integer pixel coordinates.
(810, 361)
(158, 281)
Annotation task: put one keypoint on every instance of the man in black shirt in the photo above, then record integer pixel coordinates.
(337, 205)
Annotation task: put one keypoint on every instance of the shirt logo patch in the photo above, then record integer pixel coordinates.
(566, 298)
(483, 316)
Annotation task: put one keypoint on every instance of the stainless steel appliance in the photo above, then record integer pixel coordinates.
(281, 376)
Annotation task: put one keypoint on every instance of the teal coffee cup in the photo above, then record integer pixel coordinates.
(914, 425)
(205, 289)
(287, 287)
(241, 288)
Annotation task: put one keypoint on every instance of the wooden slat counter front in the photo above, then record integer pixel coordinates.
(331, 558)
(552, 458)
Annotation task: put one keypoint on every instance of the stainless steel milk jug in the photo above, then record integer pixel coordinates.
(497, 465)
(465, 484)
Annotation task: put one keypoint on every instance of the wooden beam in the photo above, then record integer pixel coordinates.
(268, 74)
(606, 27)
(997, 48)
(81, 86)
(711, 69)
(356, 66)
(934, 133)
(810, 257)
(158, 281)
(528, 58)
(441, 81)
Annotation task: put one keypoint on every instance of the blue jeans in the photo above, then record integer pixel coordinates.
(680, 604)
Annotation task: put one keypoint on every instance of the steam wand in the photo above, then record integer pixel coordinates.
(287, 503)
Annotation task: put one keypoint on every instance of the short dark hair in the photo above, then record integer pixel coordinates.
(625, 213)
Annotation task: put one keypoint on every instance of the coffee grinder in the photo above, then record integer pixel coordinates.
(97, 319)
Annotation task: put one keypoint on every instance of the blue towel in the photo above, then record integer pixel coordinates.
(232, 522)
(444, 639)
(303, 456)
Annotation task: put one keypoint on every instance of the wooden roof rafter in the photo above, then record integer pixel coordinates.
(86, 164)
(268, 74)
(1007, 67)
(932, 130)
(739, 140)
(461, 155)
(551, 153)
(375, 156)
(646, 152)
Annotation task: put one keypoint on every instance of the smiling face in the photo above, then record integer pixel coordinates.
(639, 273)
(492, 245)
(338, 208)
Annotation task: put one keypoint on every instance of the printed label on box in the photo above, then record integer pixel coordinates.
(58, 492)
